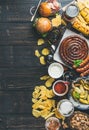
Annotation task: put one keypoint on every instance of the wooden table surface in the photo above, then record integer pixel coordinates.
(19, 68)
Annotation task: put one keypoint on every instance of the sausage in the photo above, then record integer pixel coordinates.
(85, 61)
(84, 73)
(73, 48)
(86, 67)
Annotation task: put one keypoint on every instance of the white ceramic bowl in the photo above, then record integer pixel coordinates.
(65, 107)
(62, 87)
(55, 70)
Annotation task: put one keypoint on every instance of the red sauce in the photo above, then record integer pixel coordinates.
(60, 87)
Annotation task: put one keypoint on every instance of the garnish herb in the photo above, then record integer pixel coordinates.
(77, 62)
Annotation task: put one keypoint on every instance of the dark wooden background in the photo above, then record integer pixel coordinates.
(19, 68)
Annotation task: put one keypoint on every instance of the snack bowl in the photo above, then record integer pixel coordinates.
(79, 121)
(60, 87)
(79, 93)
(65, 107)
(52, 123)
(55, 70)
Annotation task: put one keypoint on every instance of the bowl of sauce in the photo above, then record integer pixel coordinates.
(55, 70)
(52, 123)
(65, 107)
(71, 12)
(60, 88)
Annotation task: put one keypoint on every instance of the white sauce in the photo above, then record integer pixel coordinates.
(55, 71)
(66, 107)
(72, 11)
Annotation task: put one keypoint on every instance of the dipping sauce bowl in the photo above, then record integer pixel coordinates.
(71, 12)
(65, 107)
(60, 88)
(55, 70)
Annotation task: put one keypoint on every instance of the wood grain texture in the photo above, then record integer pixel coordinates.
(20, 70)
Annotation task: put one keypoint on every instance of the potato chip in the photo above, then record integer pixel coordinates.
(42, 87)
(50, 104)
(53, 103)
(40, 42)
(37, 90)
(37, 53)
(58, 115)
(45, 52)
(36, 113)
(44, 113)
(43, 104)
(42, 60)
(34, 100)
(36, 105)
(44, 97)
(56, 21)
(50, 94)
(49, 115)
(35, 94)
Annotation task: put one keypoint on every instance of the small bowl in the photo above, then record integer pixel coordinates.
(72, 11)
(55, 70)
(60, 87)
(52, 123)
(65, 107)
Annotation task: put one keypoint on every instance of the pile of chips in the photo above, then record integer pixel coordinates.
(42, 97)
